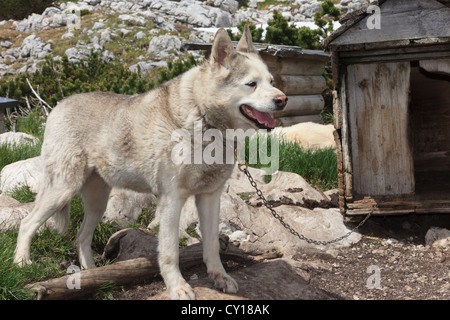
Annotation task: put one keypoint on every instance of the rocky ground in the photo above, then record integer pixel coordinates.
(144, 33)
(391, 262)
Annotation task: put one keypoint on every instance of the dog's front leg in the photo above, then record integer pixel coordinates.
(169, 208)
(208, 206)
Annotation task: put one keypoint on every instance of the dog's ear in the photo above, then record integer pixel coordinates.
(246, 43)
(222, 48)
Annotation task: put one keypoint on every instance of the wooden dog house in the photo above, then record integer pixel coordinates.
(391, 68)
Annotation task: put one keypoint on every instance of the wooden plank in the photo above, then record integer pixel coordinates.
(341, 186)
(337, 111)
(346, 158)
(397, 206)
(290, 121)
(378, 115)
(441, 66)
(304, 85)
(407, 56)
(302, 105)
(399, 20)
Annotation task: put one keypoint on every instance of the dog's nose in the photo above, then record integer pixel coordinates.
(280, 101)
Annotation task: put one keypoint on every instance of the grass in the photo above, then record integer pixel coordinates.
(52, 252)
(317, 167)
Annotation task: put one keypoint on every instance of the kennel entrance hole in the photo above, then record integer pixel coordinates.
(430, 132)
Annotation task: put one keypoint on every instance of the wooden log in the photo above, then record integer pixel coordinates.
(302, 105)
(303, 85)
(290, 121)
(124, 272)
(304, 65)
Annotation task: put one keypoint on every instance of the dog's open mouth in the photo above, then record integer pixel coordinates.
(263, 120)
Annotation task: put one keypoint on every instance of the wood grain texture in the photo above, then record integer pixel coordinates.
(378, 97)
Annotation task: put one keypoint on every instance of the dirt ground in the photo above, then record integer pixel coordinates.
(391, 262)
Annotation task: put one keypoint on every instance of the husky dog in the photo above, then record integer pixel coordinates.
(96, 141)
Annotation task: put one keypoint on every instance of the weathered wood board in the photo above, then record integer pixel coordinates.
(378, 115)
(400, 19)
(297, 85)
(307, 66)
(441, 66)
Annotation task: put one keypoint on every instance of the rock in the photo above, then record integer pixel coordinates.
(255, 227)
(21, 173)
(33, 46)
(438, 238)
(68, 35)
(14, 139)
(139, 35)
(92, 2)
(12, 212)
(143, 66)
(51, 18)
(192, 13)
(5, 44)
(230, 6)
(72, 55)
(98, 25)
(132, 19)
(309, 135)
(125, 206)
(271, 280)
(129, 244)
(161, 45)
(299, 192)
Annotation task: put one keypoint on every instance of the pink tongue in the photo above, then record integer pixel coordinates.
(264, 118)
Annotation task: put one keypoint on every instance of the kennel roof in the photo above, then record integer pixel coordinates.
(402, 23)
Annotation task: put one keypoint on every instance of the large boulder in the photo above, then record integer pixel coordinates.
(14, 139)
(255, 228)
(125, 206)
(21, 173)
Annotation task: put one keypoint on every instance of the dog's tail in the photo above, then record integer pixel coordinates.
(61, 219)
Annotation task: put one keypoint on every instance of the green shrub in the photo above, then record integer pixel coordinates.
(176, 68)
(317, 167)
(59, 79)
(20, 9)
(280, 31)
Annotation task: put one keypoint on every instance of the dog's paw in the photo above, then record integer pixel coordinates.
(21, 261)
(182, 292)
(224, 282)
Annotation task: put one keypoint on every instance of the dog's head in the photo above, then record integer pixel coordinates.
(245, 83)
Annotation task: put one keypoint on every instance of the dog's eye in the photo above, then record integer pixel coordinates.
(271, 82)
(251, 84)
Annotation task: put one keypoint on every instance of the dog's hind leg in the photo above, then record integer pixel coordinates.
(208, 206)
(52, 198)
(95, 193)
(169, 208)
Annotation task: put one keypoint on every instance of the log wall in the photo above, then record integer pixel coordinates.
(301, 79)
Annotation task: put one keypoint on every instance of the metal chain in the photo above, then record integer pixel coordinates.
(285, 224)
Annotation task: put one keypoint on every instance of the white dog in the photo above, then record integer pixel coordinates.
(96, 141)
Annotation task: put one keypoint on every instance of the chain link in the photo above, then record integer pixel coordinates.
(285, 224)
